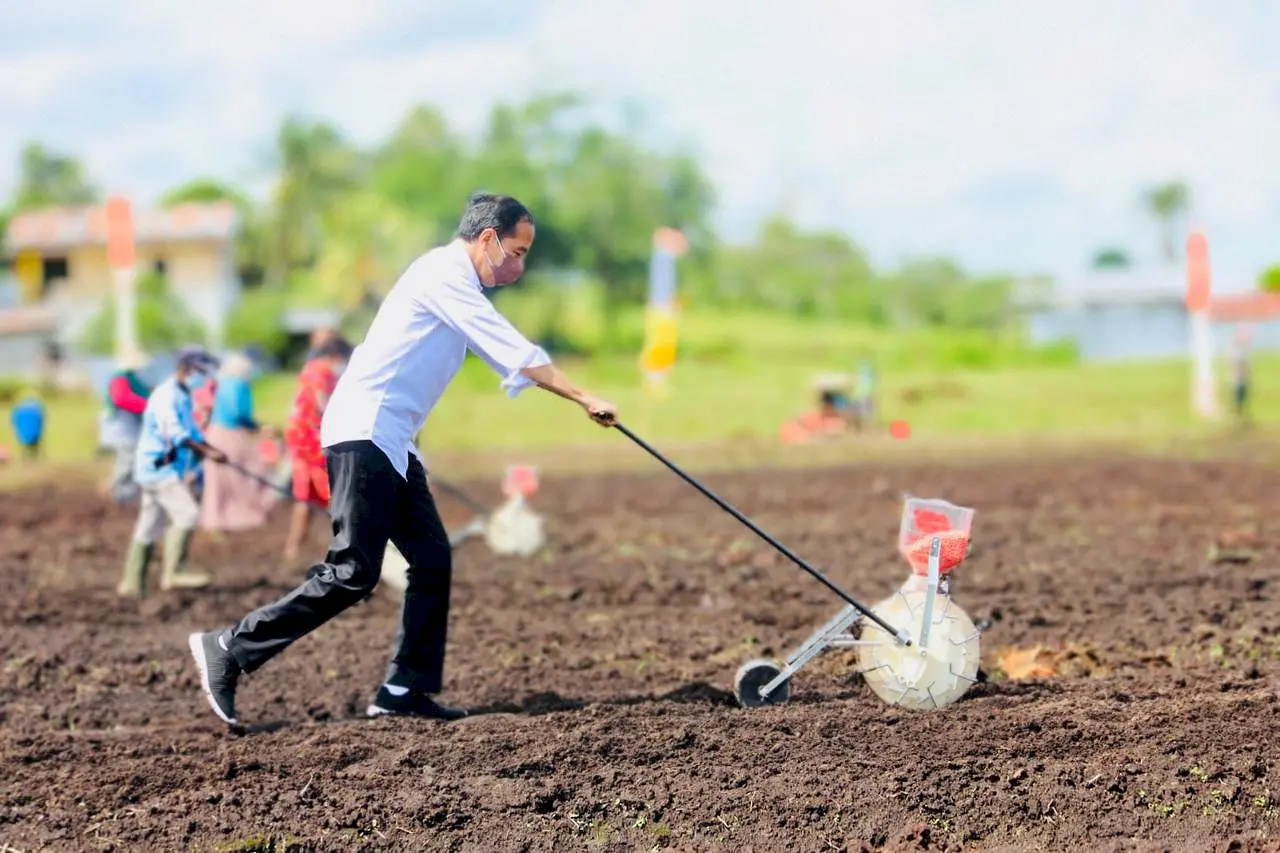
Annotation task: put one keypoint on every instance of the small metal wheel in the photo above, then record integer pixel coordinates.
(755, 674)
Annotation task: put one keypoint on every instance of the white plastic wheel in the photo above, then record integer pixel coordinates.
(916, 677)
(515, 529)
(755, 674)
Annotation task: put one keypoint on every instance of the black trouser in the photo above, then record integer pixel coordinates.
(370, 504)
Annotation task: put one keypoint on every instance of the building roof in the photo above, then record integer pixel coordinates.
(72, 227)
(20, 321)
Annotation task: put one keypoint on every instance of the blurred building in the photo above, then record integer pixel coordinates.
(1112, 315)
(59, 272)
(28, 339)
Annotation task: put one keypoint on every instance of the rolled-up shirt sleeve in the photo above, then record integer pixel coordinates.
(489, 335)
(125, 397)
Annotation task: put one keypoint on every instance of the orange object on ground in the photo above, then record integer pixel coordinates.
(810, 425)
(1021, 664)
(816, 422)
(793, 433)
(955, 546)
(900, 430)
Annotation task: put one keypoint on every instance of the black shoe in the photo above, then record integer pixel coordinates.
(411, 705)
(218, 674)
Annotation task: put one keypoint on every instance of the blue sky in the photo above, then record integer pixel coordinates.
(1012, 135)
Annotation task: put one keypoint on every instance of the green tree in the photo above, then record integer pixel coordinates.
(317, 166)
(688, 199)
(611, 205)
(368, 241)
(1111, 258)
(798, 272)
(257, 320)
(525, 152)
(47, 178)
(597, 197)
(610, 197)
(1269, 279)
(1167, 203)
(421, 170)
(938, 292)
(164, 322)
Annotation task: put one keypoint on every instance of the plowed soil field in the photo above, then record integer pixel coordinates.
(600, 676)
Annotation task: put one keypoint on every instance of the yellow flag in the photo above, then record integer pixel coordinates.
(659, 353)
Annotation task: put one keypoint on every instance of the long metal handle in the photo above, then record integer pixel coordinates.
(902, 636)
(447, 488)
(458, 495)
(284, 492)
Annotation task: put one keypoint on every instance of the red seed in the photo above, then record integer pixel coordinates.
(955, 545)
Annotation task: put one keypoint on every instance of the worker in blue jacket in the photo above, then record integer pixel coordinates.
(170, 451)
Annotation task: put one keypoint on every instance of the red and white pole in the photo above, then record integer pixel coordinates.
(121, 258)
(1204, 396)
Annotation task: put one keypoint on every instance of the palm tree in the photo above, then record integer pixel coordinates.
(1166, 203)
(368, 242)
(316, 165)
(48, 178)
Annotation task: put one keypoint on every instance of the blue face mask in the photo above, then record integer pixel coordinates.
(195, 380)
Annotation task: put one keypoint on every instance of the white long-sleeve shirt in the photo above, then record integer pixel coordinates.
(435, 312)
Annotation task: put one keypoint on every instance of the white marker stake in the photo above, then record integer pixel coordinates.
(1204, 391)
(126, 292)
(935, 555)
(1199, 300)
(122, 259)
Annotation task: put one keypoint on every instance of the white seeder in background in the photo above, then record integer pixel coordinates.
(512, 529)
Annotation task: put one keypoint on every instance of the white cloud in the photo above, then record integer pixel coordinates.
(26, 81)
(248, 36)
(901, 107)
(901, 121)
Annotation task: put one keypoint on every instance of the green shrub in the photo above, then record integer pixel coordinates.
(258, 319)
(163, 321)
(1269, 279)
(10, 388)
